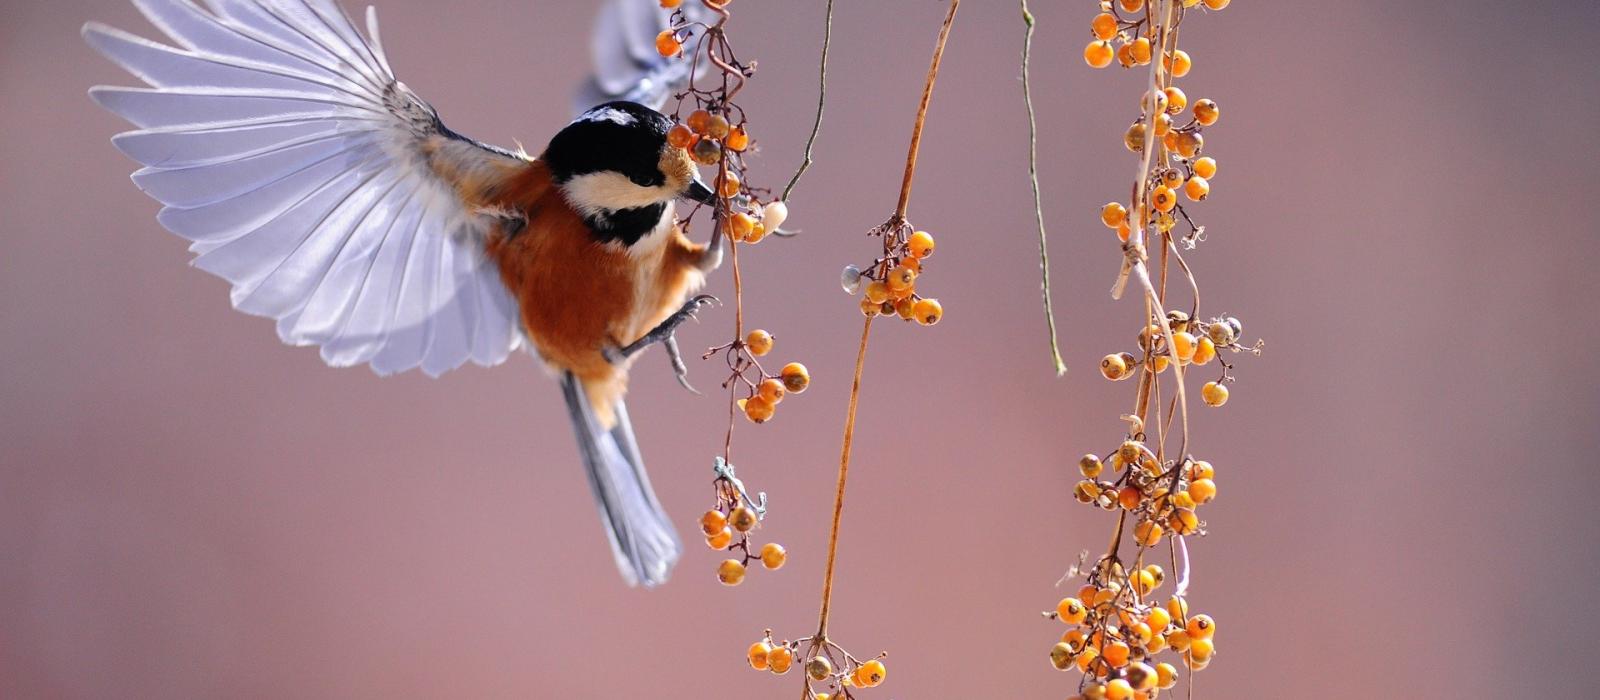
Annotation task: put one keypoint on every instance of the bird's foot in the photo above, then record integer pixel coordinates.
(663, 333)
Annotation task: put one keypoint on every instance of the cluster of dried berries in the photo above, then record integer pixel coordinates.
(826, 665)
(891, 280)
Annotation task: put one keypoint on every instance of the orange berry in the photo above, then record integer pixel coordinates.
(730, 185)
(759, 342)
(1125, 55)
(743, 519)
(1206, 112)
(1177, 607)
(1129, 497)
(901, 281)
(1189, 143)
(1203, 490)
(773, 555)
(731, 572)
(1090, 466)
(1133, 138)
(1183, 521)
(928, 311)
(1201, 627)
(758, 231)
(1119, 689)
(1206, 167)
(1131, 5)
(795, 377)
(1205, 351)
(911, 263)
(1140, 50)
(1113, 214)
(920, 244)
(771, 390)
(870, 308)
(1179, 63)
(1104, 26)
(1184, 346)
(737, 140)
(667, 43)
(1216, 4)
(1098, 54)
(721, 539)
(1116, 654)
(1123, 231)
(713, 522)
(1201, 469)
(870, 674)
(1086, 491)
(759, 410)
(906, 309)
(1147, 533)
(1163, 199)
(1143, 582)
(1113, 367)
(698, 120)
(1166, 675)
(878, 291)
(670, 4)
(1200, 649)
(759, 655)
(1172, 178)
(740, 224)
(1071, 611)
(1141, 676)
(1197, 188)
(1163, 124)
(1178, 640)
(680, 136)
(1176, 100)
(1158, 619)
(1214, 394)
(780, 660)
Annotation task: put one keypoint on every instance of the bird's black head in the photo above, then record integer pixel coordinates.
(614, 165)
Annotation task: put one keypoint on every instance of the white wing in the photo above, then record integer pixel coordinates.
(626, 63)
(322, 188)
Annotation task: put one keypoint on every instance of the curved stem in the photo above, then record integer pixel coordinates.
(1038, 206)
(844, 473)
(922, 112)
(822, 98)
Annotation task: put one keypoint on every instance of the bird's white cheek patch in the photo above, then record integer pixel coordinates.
(593, 193)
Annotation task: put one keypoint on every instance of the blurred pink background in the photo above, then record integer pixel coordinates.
(189, 509)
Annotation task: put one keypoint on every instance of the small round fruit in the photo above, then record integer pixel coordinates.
(1206, 167)
(759, 655)
(717, 127)
(1104, 26)
(1183, 521)
(1171, 178)
(737, 140)
(1166, 675)
(1204, 351)
(1201, 627)
(1129, 497)
(901, 281)
(730, 185)
(759, 342)
(1071, 611)
(706, 152)
(780, 660)
(1134, 137)
(795, 377)
(850, 279)
(1158, 619)
(774, 214)
(742, 519)
(1189, 143)
(1216, 4)
(759, 410)
(819, 668)
(1119, 689)
(1113, 214)
(772, 390)
(1179, 63)
(1176, 100)
(1203, 490)
(870, 308)
(1061, 656)
(773, 555)
(920, 244)
(721, 539)
(928, 311)
(713, 522)
(1113, 367)
(1206, 112)
(667, 44)
(1184, 346)
(1140, 50)
(871, 674)
(1214, 394)
(1197, 188)
(1147, 533)
(1090, 466)
(1086, 491)
(1132, 5)
(1141, 676)
(1098, 54)
(1164, 199)
(1116, 654)
(878, 291)
(731, 572)
(680, 136)
(698, 120)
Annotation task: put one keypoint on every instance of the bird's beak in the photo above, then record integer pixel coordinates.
(700, 193)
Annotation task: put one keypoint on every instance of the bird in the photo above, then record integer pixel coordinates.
(335, 201)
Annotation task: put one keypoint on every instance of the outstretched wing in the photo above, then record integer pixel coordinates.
(626, 63)
(305, 174)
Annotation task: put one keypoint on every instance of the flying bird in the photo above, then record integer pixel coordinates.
(335, 201)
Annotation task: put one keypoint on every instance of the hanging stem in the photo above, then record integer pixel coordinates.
(822, 98)
(866, 332)
(1038, 206)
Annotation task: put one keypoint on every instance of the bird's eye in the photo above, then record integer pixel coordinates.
(645, 180)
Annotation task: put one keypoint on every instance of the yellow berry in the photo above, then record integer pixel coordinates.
(1184, 346)
(1201, 627)
(901, 281)
(1200, 649)
(780, 660)
(1166, 675)
(1214, 394)
(1119, 689)
(1178, 640)
(1158, 619)
(1163, 199)
(1171, 178)
(870, 308)
(721, 539)
(1098, 54)
(742, 519)
(1061, 656)
(730, 185)
(878, 291)
(1197, 188)
(1147, 533)
(1086, 491)
(920, 244)
(1176, 100)
(1179, 63)
(1203, 490)
(1183, 521)
(928, 311)
(795, 377)
(819, 668)
(1201, 469)
(1140, 50)
(1090, 466)
(773, 555)
(759, 655)
(1217, 4)
(1205, 351)
(1104, 25)
(1134, 138)
(1113, 214)
(1071, 611)
(1143, 582)
(740, 224)
(758, 409)
(1206, 112)
(731, 572)
(1132, 5)
(759, 342)
(667, 43)
(1206, 167)
(713, 522)
(1113, 367)
(1177, 607)
(1116, 654)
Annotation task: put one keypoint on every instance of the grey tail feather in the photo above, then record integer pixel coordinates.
(642, 537)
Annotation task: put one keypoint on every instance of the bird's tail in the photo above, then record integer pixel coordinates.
(642, 538)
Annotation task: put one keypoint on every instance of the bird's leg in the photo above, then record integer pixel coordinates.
(679, 370)
(662, 332)
(711, 257)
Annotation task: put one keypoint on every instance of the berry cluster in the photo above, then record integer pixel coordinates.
(826, 665)
(1156, 489)
(763, 391)
(891, 280)
(728, 525)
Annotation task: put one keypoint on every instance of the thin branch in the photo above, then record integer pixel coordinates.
(1038, 206)
(922, 113)
(822, 98)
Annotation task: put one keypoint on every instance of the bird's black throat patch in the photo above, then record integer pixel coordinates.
(626, 226)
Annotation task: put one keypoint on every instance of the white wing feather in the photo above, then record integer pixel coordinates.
(282, 146)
